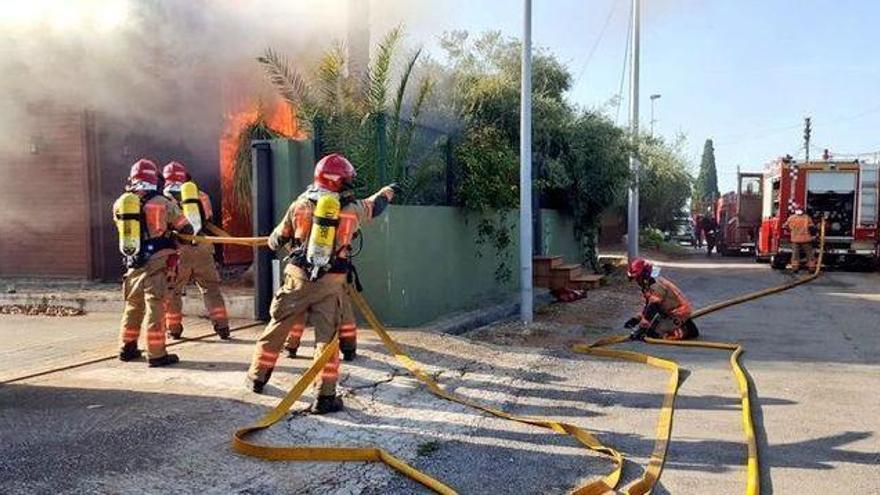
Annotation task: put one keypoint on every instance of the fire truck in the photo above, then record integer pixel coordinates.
(739, 215)
(844, 193)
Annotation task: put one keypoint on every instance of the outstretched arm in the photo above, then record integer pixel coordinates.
(379, 201)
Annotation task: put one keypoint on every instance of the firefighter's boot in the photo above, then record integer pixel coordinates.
(257, 386)
(222, 331)
(175, 332)
(326, 404)
(291, 351)
(349, 354)
(167, 359)
(130, 352)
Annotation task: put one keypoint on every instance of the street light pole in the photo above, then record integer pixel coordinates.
(525, 169)
(632, 224)
(654, 98)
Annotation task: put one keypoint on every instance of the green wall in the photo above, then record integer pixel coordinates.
(421, 262)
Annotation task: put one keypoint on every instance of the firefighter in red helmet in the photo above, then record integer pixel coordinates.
(667, 312)
(146, 221)
(319, 227)
(196, 259)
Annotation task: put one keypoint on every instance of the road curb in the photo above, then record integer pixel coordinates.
(237, 306)
(465, 321)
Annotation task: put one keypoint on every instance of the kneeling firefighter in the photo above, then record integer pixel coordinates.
(667, 313)
(196, 259)
(146, 220)
(319, 225)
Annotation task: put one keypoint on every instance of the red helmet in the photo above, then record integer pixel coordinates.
(144, 170)
(334, 171)
(175, 172)
(639, 269)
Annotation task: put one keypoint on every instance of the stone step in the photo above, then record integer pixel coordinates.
(586, 282)
(542, 265)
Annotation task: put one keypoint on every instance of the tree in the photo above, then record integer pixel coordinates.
(664, 182)
(583, 153)
(706, 186)
(363, 120)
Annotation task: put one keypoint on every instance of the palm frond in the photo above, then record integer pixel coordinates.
(291, 85)
(394, 134)
(241, 166)
(380, 69)
(330, 79)
(404, 145)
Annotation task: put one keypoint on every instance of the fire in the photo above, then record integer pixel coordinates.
(280, 117)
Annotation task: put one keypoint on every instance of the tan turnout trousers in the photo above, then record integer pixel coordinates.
(196, 264)
(143, 290)
(297, 300)
(347, 329)
(802, 247)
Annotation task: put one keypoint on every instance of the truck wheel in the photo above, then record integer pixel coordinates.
(778, 261)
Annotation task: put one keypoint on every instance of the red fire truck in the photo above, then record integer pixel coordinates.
(739, 215)
(844, 193)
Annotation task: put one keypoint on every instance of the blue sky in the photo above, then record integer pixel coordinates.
(743, 72)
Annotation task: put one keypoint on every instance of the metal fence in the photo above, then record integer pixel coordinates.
(419, 157)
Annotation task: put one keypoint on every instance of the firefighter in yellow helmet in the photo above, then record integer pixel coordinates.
(146, 220)
(196, 259)
(801, 227)
(314, 281)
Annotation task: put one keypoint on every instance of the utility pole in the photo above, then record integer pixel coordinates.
(632, 224)
(807, 131)
(654, 98)
(525, 169)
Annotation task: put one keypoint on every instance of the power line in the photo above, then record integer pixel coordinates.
(625, 65)
(611, 13)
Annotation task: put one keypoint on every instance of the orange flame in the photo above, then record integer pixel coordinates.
(281, 118)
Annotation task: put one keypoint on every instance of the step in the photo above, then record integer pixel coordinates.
(541, 281)
(541, 265)
(565, 268)
(586, 282)
(561, 275)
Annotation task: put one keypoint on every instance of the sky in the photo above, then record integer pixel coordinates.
(744, 73)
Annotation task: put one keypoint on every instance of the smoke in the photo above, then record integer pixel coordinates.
(168, 67)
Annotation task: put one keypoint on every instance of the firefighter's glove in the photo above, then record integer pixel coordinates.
(639, 333)
(632, 322)
(814, 230)
(389, 191)
(276, 240)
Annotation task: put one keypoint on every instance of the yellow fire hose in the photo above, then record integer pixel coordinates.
(222, 237)
(664, 422)
(373, 454)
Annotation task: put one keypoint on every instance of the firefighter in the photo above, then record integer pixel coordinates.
(319, 226)
(145, 220)
(710, 231)
(667, 313)
(196, 259)
(801, 227)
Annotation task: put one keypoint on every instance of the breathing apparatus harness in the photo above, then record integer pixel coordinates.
(335, 263)
(187, 196)
(135, 245)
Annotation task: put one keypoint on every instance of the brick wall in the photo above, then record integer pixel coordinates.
(44, 214)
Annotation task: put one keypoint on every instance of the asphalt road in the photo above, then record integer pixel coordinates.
(120, 427)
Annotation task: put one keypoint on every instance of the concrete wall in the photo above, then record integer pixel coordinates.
(421, 262)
